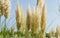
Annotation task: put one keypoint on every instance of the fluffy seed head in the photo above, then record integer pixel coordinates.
(7, 7)
(28, 18)
(43, 19)
(34, 22)
(18, 17)
(22, 20)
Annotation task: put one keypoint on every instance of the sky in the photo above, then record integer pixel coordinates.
(53, 15)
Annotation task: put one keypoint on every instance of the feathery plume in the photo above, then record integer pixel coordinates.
(28, 23)
(43, 22)
(7, 7)
(43, 19)
(34, 22)
(18, 17)
(22, 20)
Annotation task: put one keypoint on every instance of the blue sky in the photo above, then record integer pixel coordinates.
(53, 15)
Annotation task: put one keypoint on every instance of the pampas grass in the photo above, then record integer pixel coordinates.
(43, 20)
(4, 10)
(7, 7)
(34, 22)
(28, 22)
(22, 20)
(18, 17)
(42, 7)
